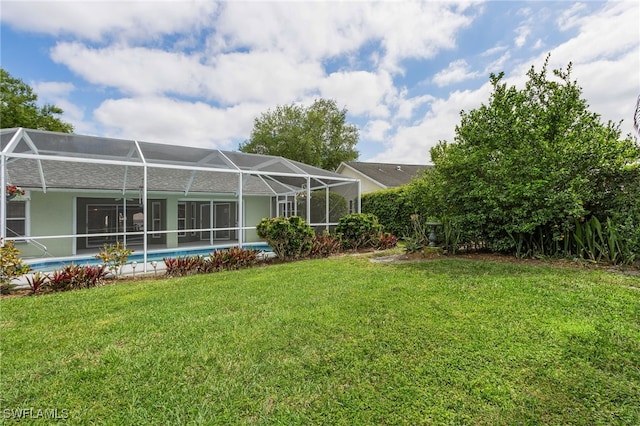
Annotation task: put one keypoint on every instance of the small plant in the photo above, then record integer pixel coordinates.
(359, 230)
(386, 241)
(11, 266)
(12, 191)
(37, 282)
(115, 256)
(325, 245)
(73, 277)
(183, 266)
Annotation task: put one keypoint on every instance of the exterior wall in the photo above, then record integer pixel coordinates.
(50, 214)
(366, 184)
(255, 208)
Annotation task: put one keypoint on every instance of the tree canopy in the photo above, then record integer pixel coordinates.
(18, 107)
(317, 135)
(531, 164)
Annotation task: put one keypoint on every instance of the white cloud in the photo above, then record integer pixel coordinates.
(132, 70)
(522, 33)
(376, 130)
(407, 106)
(170, 121)
(570, 17)
(456, 72)
(95, 20)
(364, 92)
(318, 30)
(229, 78)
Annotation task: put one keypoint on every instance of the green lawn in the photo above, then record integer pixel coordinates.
(333, 341)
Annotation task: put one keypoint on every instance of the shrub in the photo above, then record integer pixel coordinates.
(233, 258)
(183, 266)
(37, 282)
(359, 230)
(325, 245)
(289, 237)
(229, 259)
(386, 241)
(393, 208)
(73, 277)
(114, 256)
(10, 266)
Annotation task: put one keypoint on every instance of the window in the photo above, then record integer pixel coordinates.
(16, 219)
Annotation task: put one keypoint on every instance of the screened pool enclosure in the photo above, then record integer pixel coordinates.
(82, 192)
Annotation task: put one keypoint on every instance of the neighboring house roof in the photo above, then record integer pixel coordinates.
(385, 175)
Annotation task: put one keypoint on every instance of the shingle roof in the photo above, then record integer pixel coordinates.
(388, 174)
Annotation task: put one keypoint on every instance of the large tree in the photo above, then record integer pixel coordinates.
(317, 135)
(18, 107)
(529, 165)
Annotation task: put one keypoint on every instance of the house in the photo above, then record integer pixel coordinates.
(377, 176)
(82, 192)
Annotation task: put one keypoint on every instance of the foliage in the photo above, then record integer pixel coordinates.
(13, 191)
(386, 241)
(418, 237)
(359, 230)
(115, 256)
(325, 245)
(337, 206)
(74, 277)
(230, 259)
(393, 207)
(38, 282)
(19, 108)
(288, 237)
(234, 258)
(597, 243)
(11, 265)
(183, 266)
(529, 164)
(317, 135)
(338, 341)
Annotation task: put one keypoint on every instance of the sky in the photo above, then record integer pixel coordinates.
(198, 73)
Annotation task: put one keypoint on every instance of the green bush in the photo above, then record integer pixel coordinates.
(359, 230)
(527, 165)
(289, 237)
(10, 266)
(393, 208)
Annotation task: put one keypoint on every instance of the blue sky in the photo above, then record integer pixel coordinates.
(199, 72)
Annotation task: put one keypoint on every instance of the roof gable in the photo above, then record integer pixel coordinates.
(388, 174)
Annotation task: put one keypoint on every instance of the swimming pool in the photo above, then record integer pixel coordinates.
(52, 264)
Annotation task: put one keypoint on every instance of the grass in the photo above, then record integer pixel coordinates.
(334, 341)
